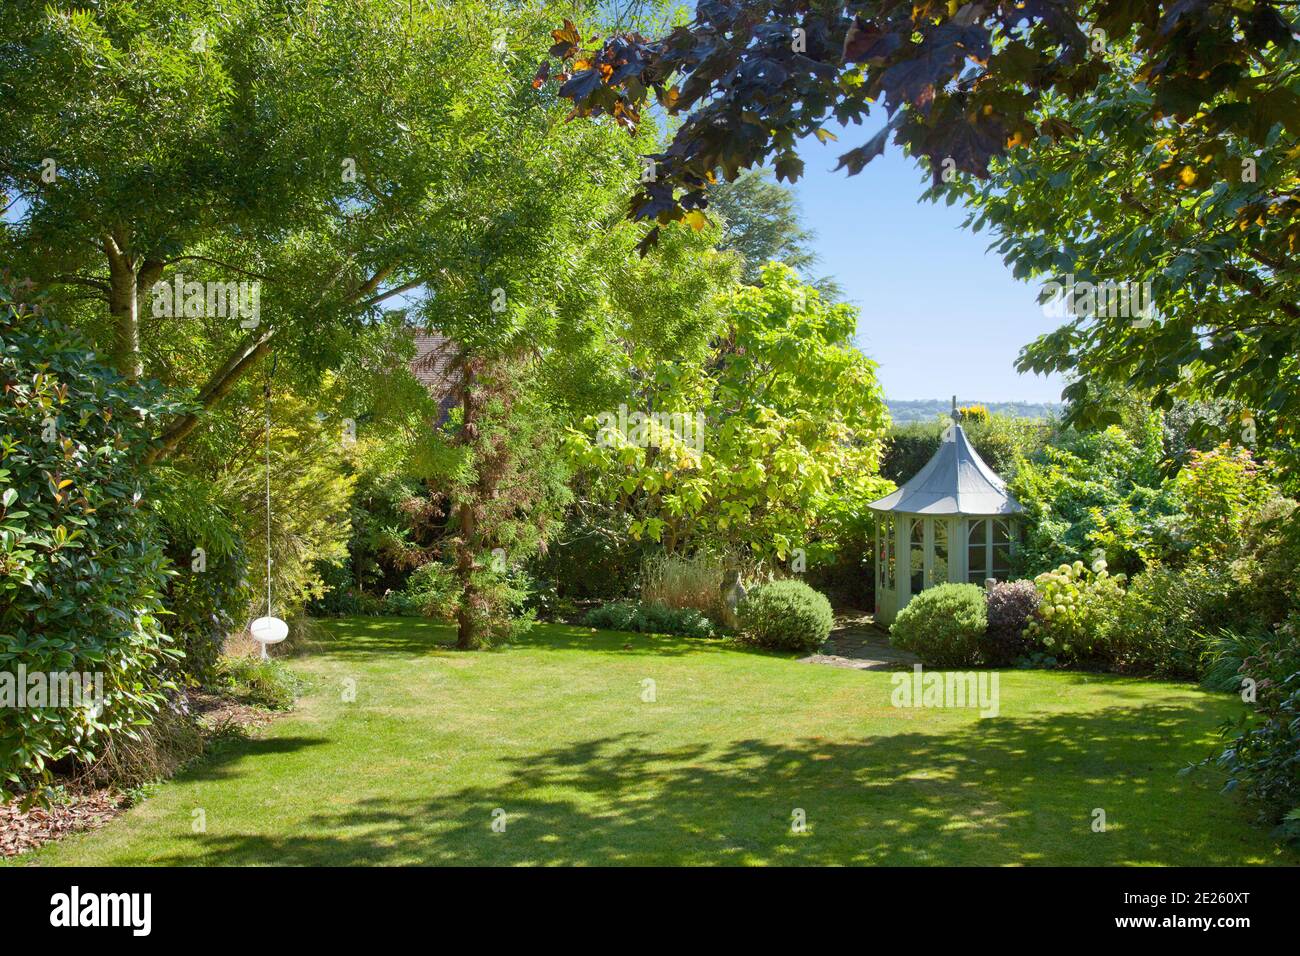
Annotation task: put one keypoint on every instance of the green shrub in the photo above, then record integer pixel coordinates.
(81, 569)
(1262, 753)
(650, 619)
(266, 683)
(686, 621)
(1165, 615)
(617, 616)
(1011, 606)
(587, 563)
(1222, 492)
(546, 601)
(342, 597)
(943, 625)
(430, 591)
(1226, 655)
(786, 614)
(208, 593)
(1269, 568)
(1077, 615)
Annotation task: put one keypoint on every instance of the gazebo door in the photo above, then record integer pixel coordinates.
(938, 551)
(928, 555)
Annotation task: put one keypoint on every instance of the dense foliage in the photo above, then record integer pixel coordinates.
(82, 572)
(264, 683)
(1010, 606)
(1162, 624)
(208, 595)
(1262, 755)
(650, 618)
(1091, 490)
(773, 439)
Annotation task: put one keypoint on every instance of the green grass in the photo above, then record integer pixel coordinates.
(554, 732)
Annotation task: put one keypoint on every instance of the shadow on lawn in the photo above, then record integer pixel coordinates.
(365, 637)
(218, 765)
(571, 637)
(1002, 791)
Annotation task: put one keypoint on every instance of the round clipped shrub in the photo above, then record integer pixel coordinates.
(943, 625)
(788, 615)
(1011, 606)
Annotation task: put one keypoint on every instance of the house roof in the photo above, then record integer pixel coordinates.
(956, 481)
(434, 367)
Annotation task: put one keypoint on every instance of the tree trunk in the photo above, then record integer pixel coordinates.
(124, 307)
(249, 353)
(466, 542)
(466, 615)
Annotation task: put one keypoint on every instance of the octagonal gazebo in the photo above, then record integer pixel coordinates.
(953, 521)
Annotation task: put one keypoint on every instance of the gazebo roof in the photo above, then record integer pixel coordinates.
(956, 481)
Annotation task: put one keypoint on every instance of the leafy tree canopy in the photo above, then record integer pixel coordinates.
(958, 81)
(341, 155)
(1207, 239)
(771, 441)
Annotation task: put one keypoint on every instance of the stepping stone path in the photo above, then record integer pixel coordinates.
(857, 642)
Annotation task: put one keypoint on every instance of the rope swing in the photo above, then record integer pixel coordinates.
(269, 629)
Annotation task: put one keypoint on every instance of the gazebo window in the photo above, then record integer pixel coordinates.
(885, 552)
(977, 552)
(989, 549)
(916, 555)
(939, 567)
(1001, 549)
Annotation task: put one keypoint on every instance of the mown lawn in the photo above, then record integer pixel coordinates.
(555, 733)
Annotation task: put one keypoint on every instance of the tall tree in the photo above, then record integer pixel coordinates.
(320, 149)
(342, 155)
(1183, 266)
(768, 441)
(761, 221)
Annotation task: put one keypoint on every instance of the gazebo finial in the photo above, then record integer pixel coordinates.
(954, 409)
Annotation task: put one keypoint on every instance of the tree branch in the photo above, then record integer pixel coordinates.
(100, 284)
(214, 390)
(405, 287)
(224, 265)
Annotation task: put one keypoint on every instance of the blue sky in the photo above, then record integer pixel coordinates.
(939, 314)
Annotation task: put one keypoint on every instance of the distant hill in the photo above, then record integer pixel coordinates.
(928, 409)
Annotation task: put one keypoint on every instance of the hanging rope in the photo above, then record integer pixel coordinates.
(269, 629)
(266, 393)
